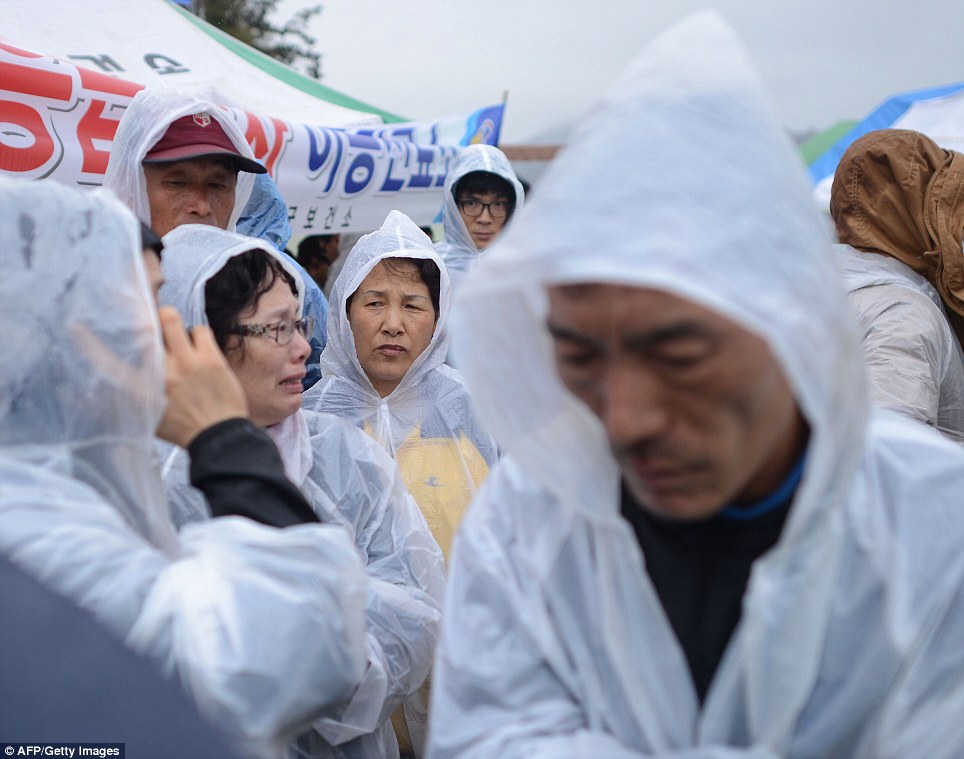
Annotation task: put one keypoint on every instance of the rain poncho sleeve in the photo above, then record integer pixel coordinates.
(262, 627)
(405, 578)
(355, 485)
(350, 483)
(555, 642)
(239, 470)
(457, 249)
(427, 423)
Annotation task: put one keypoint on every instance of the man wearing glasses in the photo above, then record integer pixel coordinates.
(481, 194)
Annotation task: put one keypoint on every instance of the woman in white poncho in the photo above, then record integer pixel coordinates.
(252, 298)
(82, 504)
(383, 370)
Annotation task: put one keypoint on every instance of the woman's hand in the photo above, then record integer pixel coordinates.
(201, 388)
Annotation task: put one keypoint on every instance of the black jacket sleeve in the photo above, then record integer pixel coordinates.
(239, 470)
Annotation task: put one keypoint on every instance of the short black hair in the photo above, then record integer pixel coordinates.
(426, 270)
(150, 240)
(237, 288)
(483, 183)
(312, 248)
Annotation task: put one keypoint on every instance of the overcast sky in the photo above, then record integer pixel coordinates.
(824, 60)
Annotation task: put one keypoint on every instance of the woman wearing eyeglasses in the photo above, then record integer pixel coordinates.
(481, 194)
(252, 299)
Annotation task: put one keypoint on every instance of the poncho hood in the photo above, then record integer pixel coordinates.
(146, 120)
(399, 237)
(193, 253)
(458, 245)
(715, 209)
(898, 193)
(81, 373)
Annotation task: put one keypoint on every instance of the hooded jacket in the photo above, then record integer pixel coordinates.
(82, 503)
(899, 193)
(457, 249)
(350, 482)
(427, 423)
(897, 204)
(555, 642)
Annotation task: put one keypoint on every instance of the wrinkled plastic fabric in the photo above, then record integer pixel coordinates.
(266, 214)
(914, 359)
(554, 641)
(427, 423)
(149, 114)
(352, 483)
(82, 502)
(266, 217)
(457, 249)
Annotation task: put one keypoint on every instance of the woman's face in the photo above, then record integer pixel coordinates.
(392, 321)
(270, 373)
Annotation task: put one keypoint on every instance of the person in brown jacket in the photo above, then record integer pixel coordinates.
(898, 205)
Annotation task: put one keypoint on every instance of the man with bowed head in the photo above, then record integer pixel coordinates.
(701, 543)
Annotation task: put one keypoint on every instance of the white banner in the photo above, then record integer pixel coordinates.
(58, 120)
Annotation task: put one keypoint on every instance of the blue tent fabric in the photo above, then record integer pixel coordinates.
(882, 117)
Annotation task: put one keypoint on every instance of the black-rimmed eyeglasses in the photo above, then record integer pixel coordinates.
(282, 332)
(498, 209)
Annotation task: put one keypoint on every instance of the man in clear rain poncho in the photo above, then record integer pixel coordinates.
(263, 627)
(699, 543)
(179, 159)
(423, 416)
(349, 481)
(480, 195)
(898, 205)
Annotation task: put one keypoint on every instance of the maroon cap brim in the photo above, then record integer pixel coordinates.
(187, 152)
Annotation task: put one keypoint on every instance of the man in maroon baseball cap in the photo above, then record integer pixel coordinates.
(199, 136)
(191, 173)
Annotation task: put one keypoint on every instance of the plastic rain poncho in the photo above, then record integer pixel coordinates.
(349, 481)
(145, 121)
(457, 249)
(914, 359)
(554, 642)
(82, 503)
(426, 423)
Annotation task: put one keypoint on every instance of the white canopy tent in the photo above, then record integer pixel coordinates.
(68, 71)
(937, 112)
